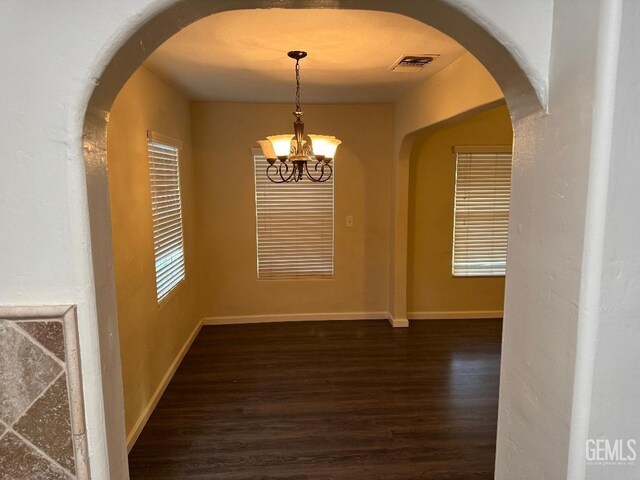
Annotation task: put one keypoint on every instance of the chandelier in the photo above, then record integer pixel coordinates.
(291, 158)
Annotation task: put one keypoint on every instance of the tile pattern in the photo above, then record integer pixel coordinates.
(47, 424)
(26, 370)
(18, 461)
(48, 334)
(38, 438)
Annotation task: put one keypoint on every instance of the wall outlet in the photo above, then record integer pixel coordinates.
(349, 221)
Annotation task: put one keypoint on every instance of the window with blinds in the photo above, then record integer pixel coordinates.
(166, 210)
(294, 223)
(481, 214)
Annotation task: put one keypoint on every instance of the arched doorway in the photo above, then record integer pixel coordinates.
(522, 97)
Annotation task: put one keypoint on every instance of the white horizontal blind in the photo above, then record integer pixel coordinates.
(481, 214)
(294, 227)
(166, 209)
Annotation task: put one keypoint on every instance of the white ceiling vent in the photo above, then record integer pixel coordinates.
(412, 63)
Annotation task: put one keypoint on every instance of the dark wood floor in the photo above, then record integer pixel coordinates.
(329, 400)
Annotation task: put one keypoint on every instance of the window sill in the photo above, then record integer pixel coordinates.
(172, 293)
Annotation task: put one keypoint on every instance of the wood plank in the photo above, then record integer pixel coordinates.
(329, 400)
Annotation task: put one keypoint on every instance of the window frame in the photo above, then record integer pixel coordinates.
(478, 150)
(258, 160)
(169, 143)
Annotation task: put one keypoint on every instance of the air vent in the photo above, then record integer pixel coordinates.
(412, 63)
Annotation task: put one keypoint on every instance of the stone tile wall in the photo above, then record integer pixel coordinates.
(42, 428)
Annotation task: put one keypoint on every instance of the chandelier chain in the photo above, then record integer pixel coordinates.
(298, 108)
(296, 155)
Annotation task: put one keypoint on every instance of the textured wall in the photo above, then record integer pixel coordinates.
(151, 336)
(48, 254)
(430, 285)
(612, 334)
(545, 271)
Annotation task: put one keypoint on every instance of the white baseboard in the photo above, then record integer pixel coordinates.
(398, 322)
(293, 317)
(460, 315)
(155, 398)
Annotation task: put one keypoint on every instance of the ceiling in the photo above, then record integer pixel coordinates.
(241, 55)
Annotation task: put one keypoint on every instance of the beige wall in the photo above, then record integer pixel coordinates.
(431, 287)
(151, 337)
(464, 86)
(223, 135)
(219, 216)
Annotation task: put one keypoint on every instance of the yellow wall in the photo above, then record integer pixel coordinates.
(219, 216)
(223, 135)
(464, 86)
(431, 287)
(151, 337)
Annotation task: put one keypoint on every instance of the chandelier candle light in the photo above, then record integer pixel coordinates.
(289, 155)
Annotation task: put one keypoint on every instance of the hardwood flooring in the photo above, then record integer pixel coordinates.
(329, 400)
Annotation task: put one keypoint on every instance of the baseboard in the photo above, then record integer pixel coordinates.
(398, 322)
(459, 315)
(295, 317)
(155, 398)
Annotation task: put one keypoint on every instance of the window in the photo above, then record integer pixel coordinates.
(166, 210)
(481, 212)
(294, 223)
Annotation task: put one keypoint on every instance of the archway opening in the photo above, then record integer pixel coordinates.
(95, 141)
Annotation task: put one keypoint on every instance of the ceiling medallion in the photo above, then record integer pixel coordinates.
(294, 157)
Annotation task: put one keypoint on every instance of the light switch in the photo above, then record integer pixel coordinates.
(349, 221)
